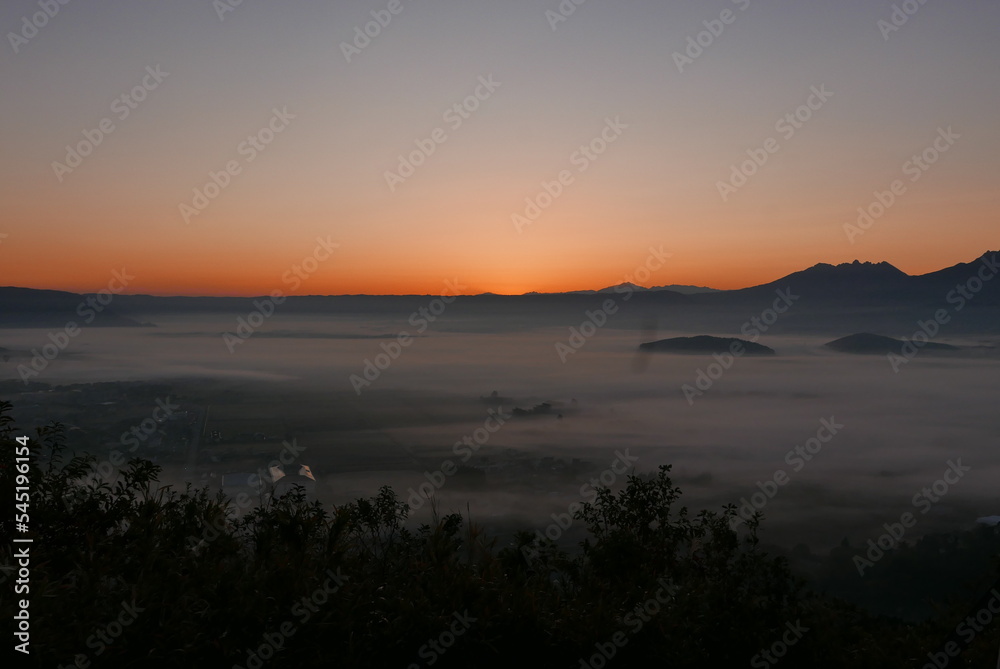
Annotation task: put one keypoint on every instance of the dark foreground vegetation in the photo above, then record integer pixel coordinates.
(133, 574)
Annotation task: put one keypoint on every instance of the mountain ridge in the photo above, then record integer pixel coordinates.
(855, 271)
(830, 291)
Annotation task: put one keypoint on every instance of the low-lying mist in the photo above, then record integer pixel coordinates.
(849, 443)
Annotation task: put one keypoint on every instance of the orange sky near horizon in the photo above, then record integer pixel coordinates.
(606, 79)
(348, 272)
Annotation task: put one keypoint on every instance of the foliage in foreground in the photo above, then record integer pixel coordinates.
(135, 574)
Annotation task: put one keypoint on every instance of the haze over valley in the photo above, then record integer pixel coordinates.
(367, 411)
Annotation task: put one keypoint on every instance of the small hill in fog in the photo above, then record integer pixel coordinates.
(705, 344)
(872, 344)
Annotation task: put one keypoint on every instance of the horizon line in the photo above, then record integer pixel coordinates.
(664, 287)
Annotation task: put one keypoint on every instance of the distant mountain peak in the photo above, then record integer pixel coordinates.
(686, 289)
(624, 285)
(867, 264)
(857, 268)
(636, 288)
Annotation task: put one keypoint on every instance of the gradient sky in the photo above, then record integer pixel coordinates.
(324, 175)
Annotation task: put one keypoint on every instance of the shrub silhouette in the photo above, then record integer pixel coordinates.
(297, 584)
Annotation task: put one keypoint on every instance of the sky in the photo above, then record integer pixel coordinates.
(262, 138)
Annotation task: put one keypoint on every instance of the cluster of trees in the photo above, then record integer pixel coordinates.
(138, 574)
